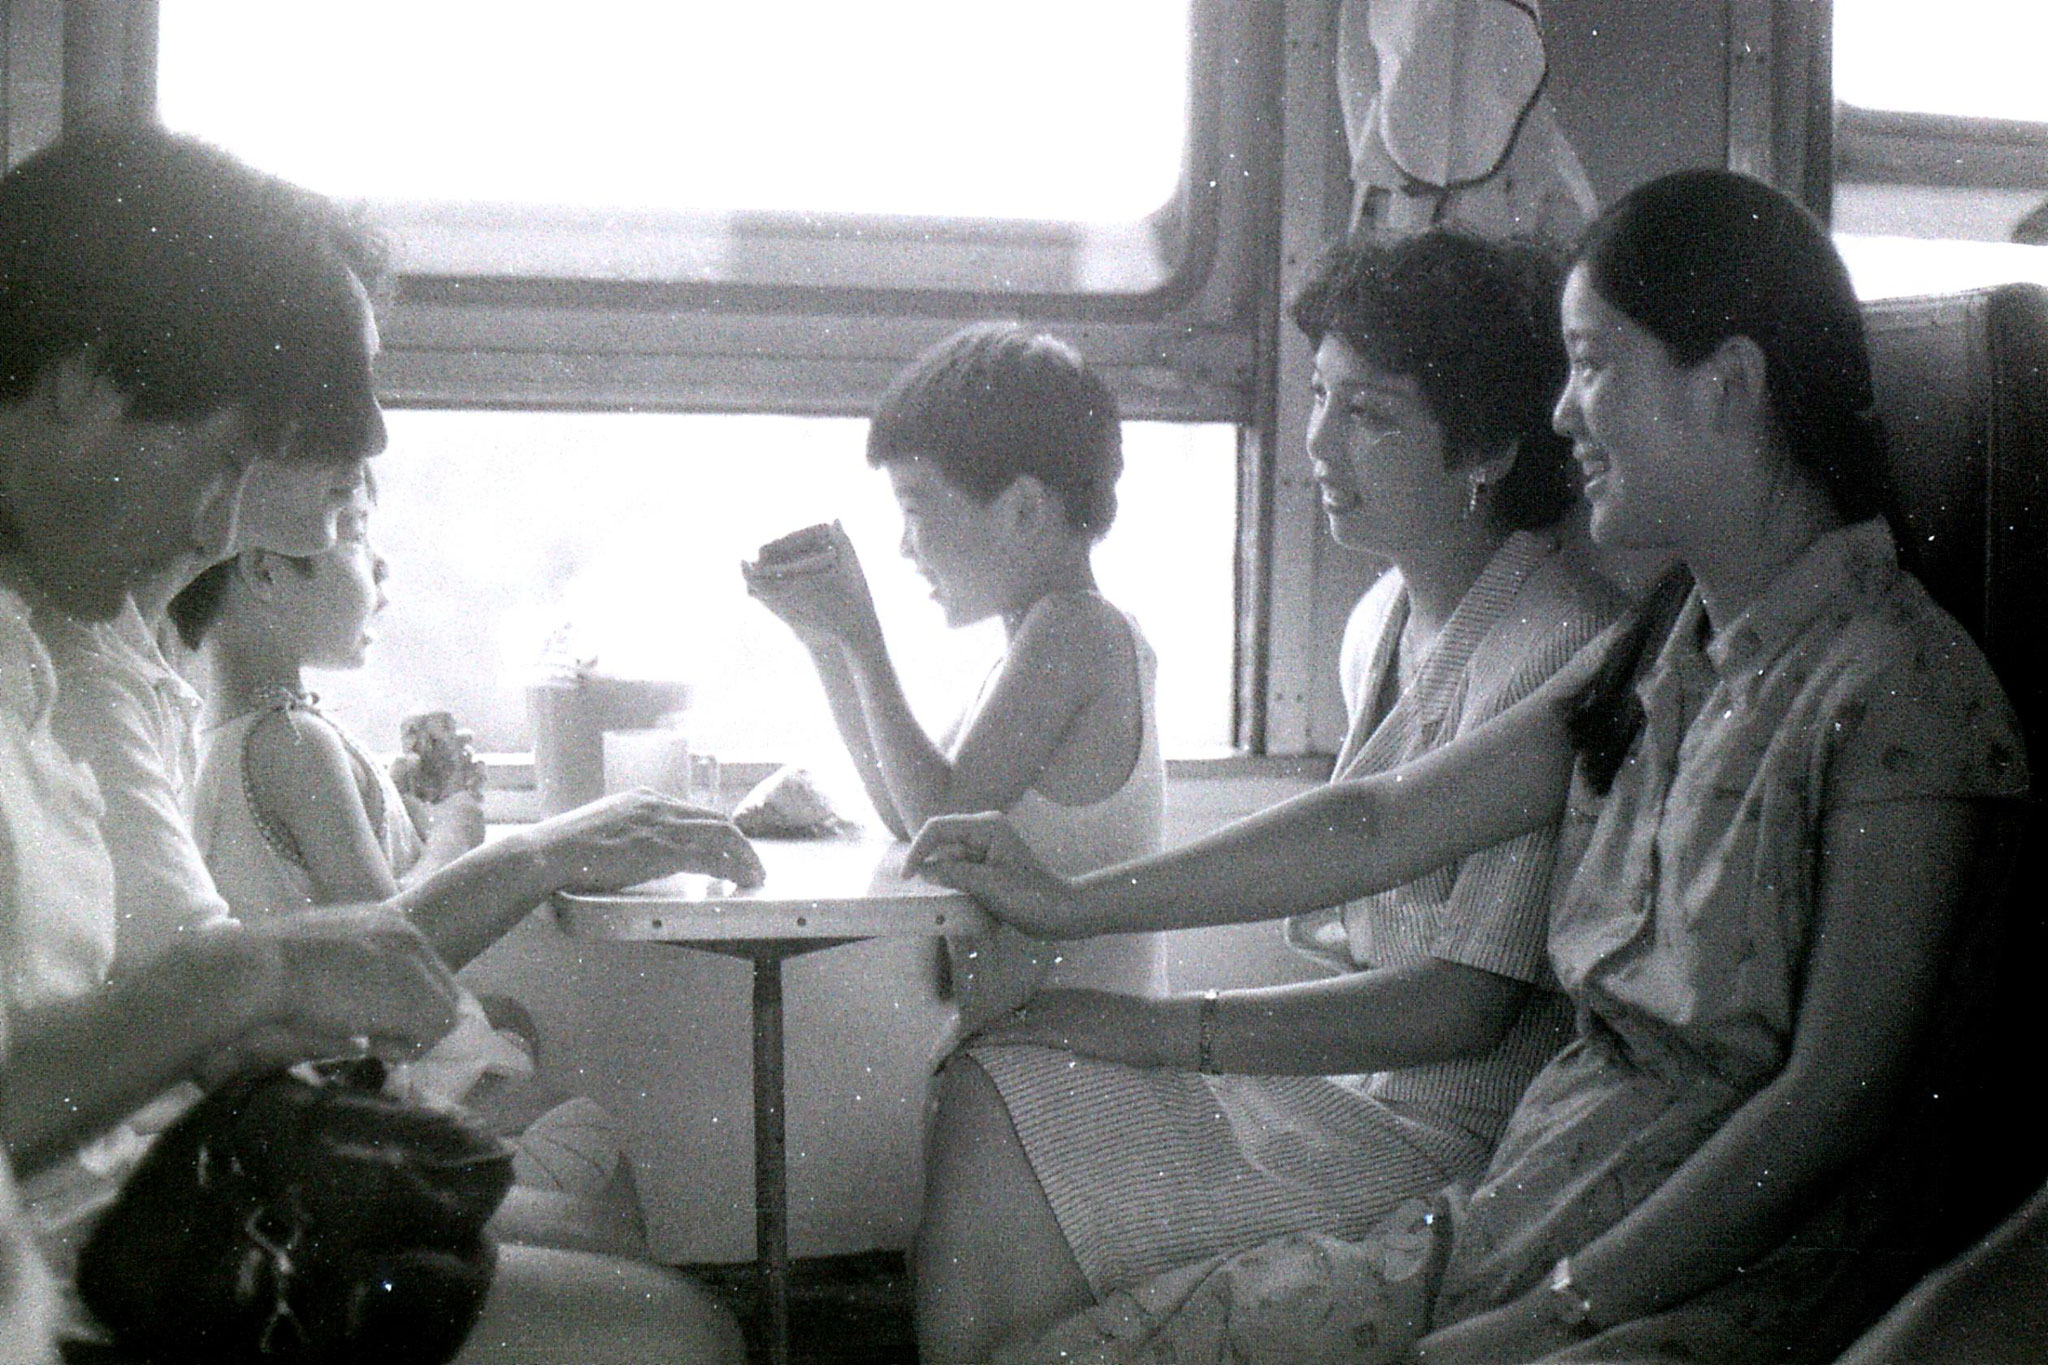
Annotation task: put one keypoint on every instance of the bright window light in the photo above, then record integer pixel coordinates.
(1068, 110)
(506, 529)
(1978, 59)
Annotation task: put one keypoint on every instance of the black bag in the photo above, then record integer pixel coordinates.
(284, 1219)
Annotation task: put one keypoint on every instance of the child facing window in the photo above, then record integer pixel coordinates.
(1003, 450)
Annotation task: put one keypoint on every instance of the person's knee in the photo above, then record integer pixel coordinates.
(547, 1305)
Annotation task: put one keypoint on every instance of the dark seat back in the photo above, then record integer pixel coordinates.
(1962, 392)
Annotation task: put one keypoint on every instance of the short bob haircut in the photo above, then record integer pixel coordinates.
(1475, 324)
(194, 283)
(997, 401)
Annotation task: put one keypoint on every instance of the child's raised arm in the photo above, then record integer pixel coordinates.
(1071, 650)
(1066, 648)
(812, 580)
(1056, 665)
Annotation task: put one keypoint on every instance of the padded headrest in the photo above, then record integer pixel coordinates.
(1962, 392)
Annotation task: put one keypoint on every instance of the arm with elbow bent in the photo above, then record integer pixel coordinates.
(631, 837)
(1055, 666)
(842, 696)
(1893, 879)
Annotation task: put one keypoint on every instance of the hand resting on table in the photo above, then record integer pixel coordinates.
(639, 835)
(984, 856)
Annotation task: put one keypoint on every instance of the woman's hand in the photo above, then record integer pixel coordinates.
(637, 836)
(822, 596)
(1134, 1030)
(984, 856)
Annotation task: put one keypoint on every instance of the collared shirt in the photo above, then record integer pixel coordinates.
(126, 713)
(1529, 611)
(58, 887)
(1686, 928)
(1686, 933)
(56, 893)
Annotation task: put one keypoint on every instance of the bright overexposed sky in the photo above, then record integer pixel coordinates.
(1060, 109)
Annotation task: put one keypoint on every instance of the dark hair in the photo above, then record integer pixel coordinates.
(1700, 256)
(1474, 323)
(197, 605)
(996, 401)
(194, 283)
(1695, 258)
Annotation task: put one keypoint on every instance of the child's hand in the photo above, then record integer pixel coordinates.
(813, 581)
(438, 759)
(453, 825)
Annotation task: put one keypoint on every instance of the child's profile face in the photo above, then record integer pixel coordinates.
(341, 596)
(956, 543)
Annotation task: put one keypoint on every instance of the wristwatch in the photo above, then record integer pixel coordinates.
(1568, 1303)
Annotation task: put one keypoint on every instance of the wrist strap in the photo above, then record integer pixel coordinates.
(1205, 1035)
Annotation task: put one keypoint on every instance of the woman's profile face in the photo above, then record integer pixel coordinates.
(1378, 455)
(1631, 414)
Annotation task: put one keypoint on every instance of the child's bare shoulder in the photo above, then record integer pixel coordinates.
(292, 756)
(1074, 628)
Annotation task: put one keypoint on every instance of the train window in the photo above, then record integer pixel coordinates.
(504, 531)
(708, 142)
(1941, 144)
(653, 258)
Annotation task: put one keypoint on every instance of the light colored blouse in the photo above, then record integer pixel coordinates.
(262, 874)
(1530, 610)
(1685, 935)
(253, 860)
(56, 920)
(127, 714)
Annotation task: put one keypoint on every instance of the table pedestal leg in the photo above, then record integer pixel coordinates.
(771, 1153)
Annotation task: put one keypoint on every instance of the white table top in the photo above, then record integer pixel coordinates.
(816, 888)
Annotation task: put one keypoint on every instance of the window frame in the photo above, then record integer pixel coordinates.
(1204, 346)
(1185, 350)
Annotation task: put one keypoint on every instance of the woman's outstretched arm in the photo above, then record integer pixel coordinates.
(1322, 848)
(619, 841)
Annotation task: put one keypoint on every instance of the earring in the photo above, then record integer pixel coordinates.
(1472, 487)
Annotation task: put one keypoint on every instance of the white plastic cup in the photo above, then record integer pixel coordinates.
(568, 746)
